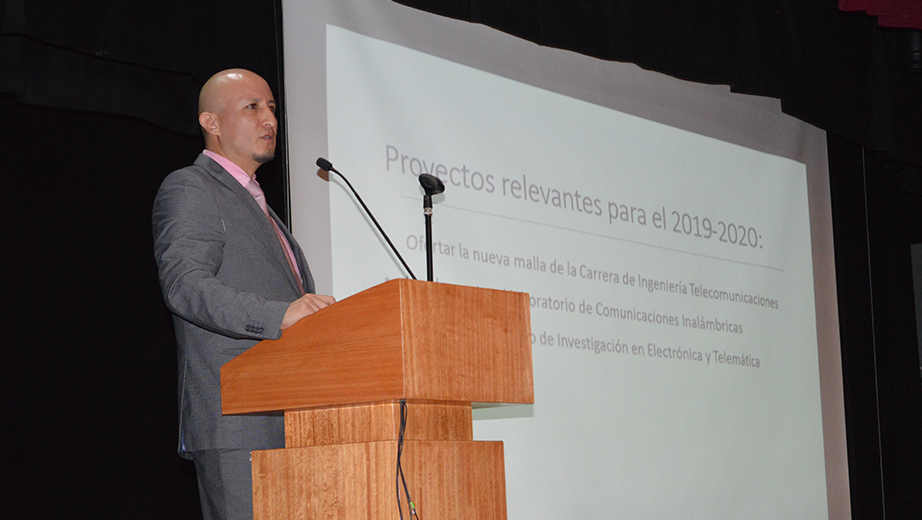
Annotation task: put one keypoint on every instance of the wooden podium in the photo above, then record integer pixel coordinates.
(339, 376)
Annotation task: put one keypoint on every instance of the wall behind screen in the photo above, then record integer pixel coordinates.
(653, 436)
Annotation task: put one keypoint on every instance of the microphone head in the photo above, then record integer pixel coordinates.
(431, 184)
(324, 164)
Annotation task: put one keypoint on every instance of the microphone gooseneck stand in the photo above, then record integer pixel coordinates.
(327, 166)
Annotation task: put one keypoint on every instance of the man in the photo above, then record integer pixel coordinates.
(232, 275)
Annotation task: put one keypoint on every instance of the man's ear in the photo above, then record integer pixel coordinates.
(208, 122)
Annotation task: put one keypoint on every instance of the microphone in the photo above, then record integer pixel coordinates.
(432, 185)
(327, 166)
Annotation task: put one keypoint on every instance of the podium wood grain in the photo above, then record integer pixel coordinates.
(447, 480)
(377, 422)
(403, 339)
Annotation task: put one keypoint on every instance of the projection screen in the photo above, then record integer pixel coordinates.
(674, 238)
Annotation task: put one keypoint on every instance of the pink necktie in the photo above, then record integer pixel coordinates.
(257, 192)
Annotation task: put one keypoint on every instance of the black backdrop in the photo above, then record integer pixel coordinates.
(98, 102)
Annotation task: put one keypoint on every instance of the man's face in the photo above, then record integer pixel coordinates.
(247, 123)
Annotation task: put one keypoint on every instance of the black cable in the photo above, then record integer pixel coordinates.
(406, 490)
(401, 478)
(399, 453)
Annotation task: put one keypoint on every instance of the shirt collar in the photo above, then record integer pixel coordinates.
(235, 171)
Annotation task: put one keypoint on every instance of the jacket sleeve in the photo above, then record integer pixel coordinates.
(189, 239)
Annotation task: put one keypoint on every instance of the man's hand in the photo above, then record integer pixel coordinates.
(305, 306)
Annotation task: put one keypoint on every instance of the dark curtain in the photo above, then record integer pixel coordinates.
(140, 59)
(877, 216)
(88, 373)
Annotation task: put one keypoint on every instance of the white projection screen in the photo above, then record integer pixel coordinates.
(675, 239)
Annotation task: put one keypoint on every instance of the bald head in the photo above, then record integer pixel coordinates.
(218, 87)
(236, 111)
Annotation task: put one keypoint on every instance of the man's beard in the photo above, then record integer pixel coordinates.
(263, 158)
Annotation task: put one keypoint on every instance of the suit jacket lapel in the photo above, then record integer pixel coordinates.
(306, 280)
(266, 232)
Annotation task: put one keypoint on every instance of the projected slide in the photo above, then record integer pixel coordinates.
(670, 276)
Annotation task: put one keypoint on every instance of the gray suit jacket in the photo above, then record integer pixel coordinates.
(225, 278)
